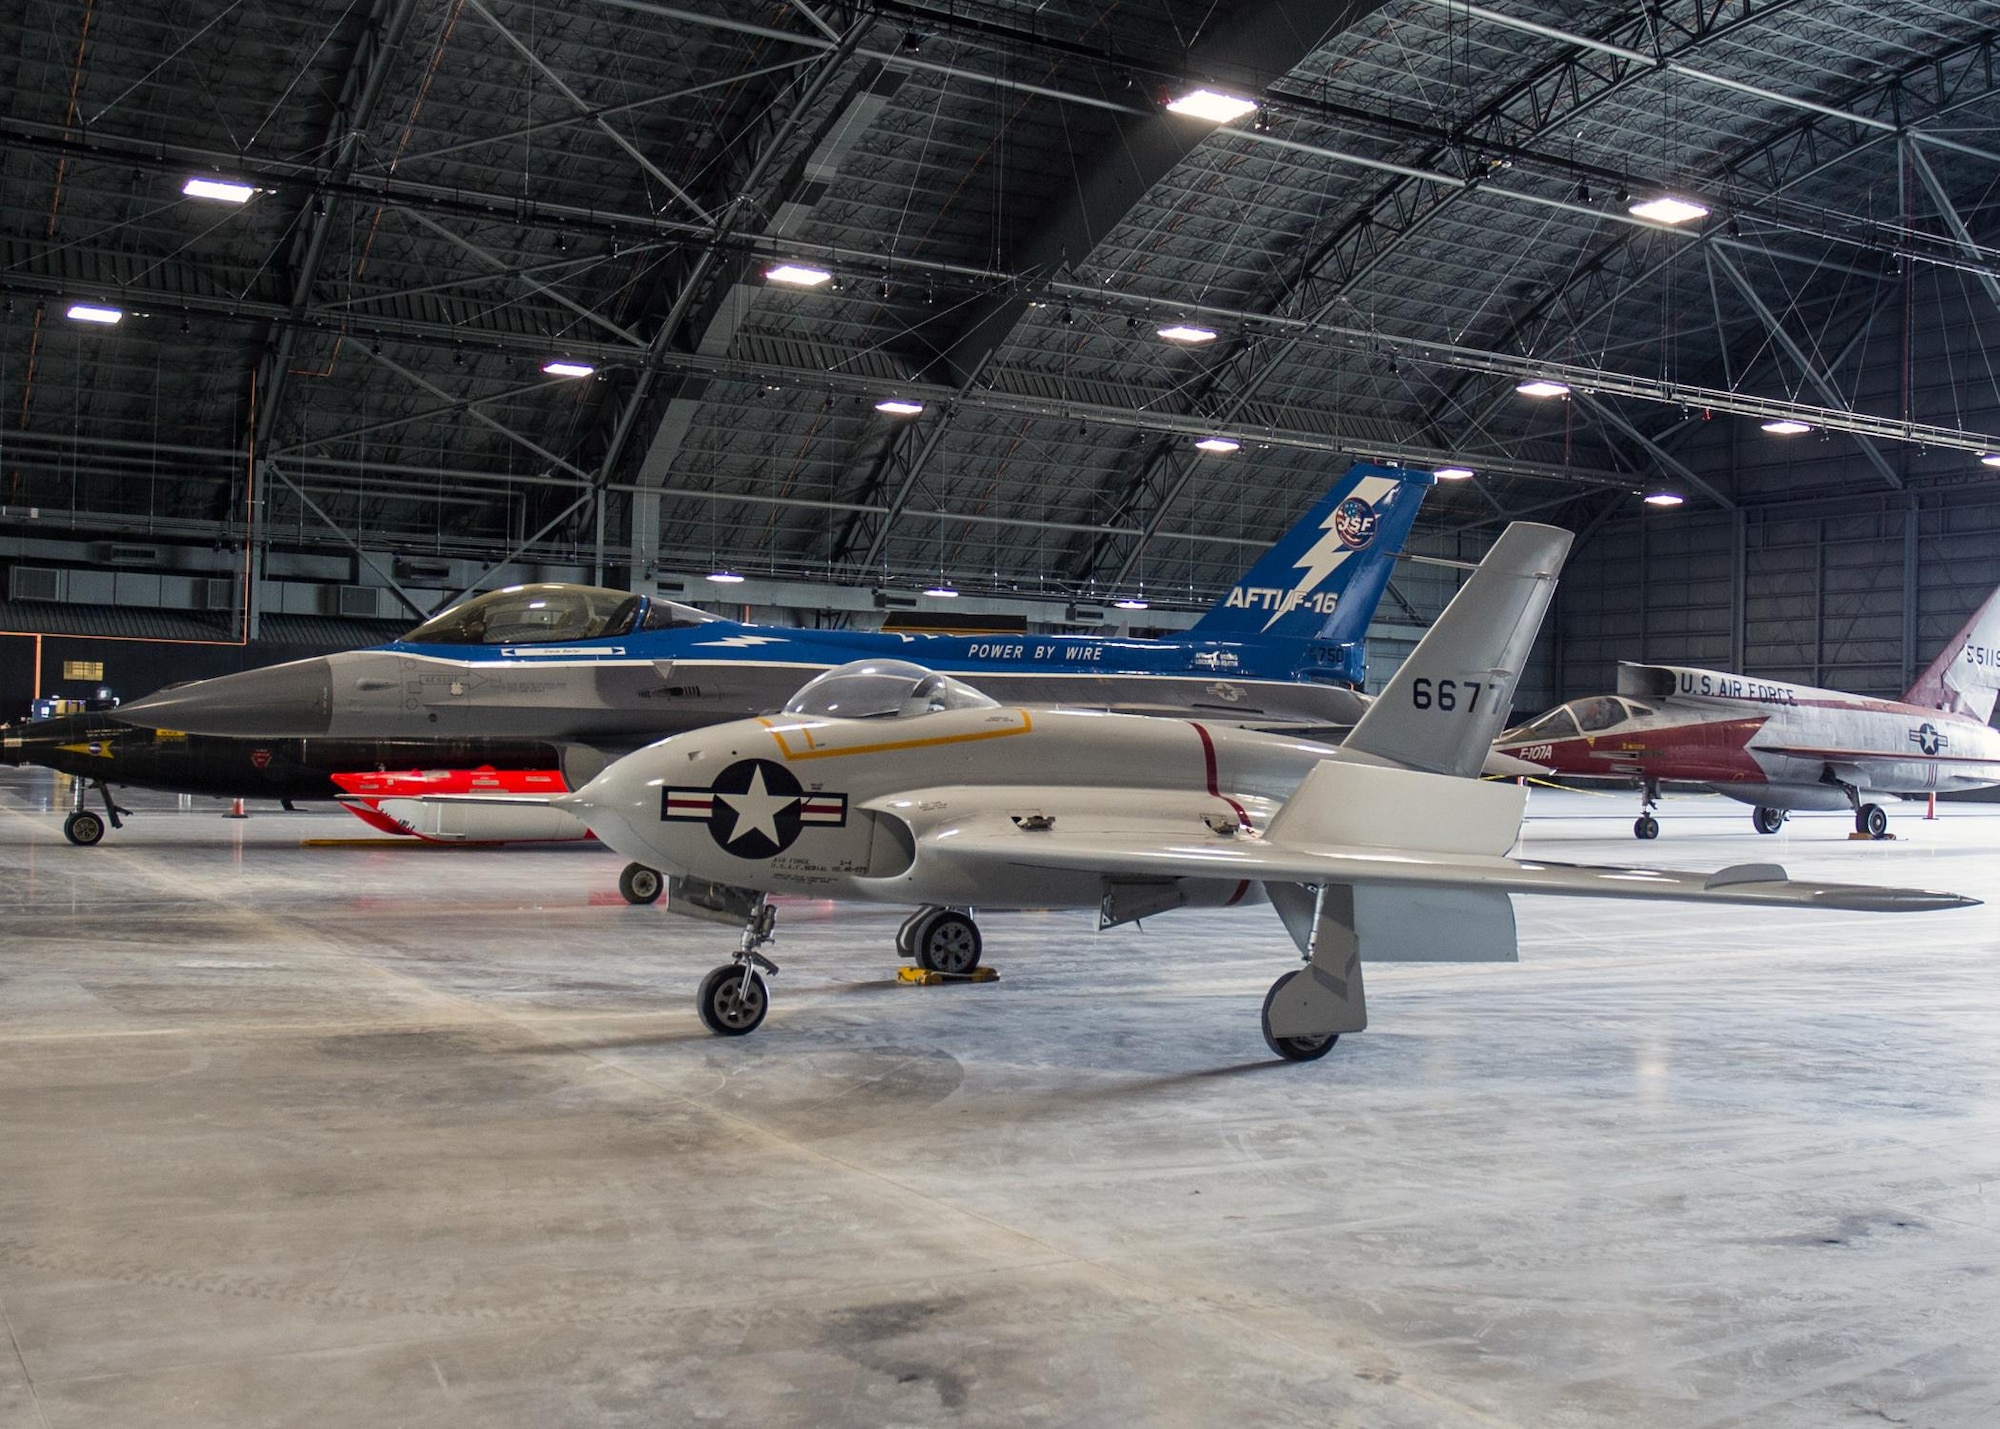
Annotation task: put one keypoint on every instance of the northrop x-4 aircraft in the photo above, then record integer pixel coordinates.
(1782, 747)
(610, 671)
(885, 781)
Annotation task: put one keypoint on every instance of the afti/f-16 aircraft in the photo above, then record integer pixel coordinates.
(1783, 747)
(609, 671)
(888, 782)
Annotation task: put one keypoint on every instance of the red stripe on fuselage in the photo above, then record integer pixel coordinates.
(1208, 761)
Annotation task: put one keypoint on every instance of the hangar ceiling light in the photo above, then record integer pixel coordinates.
(1786, 427)
(95, 313)
(1542, 387)
(220, 190)
(1183, 332)
(1131, 602)
(725, 578)
(1454, 473)
(1208, 104)
(900, 407)
(566, 367)
(1218, 445)
(1664, 498)
(941, 592)
(1990, 459)
(1665, 208)
(797, 275)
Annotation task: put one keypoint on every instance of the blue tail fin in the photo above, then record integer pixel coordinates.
(1318, 586)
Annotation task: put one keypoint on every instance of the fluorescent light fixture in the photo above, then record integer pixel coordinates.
(1542, 387)
(798, 275)
(1785, 427)
(900, 407)
(1131, 602)
(564, 367)
(942, 592)
(220, 190)
(94, 313)
(1664, 498)
(1218, 444)
(725, 578)
(1207, 104)
(1454, 473)
(1668, 209)
(1990, 459)
(1182, 332)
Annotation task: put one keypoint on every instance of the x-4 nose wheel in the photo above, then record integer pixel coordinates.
(1645, 827)
(83, 828)
(1871, 820)
(732, 1000)
(639, 884)
(946, 942)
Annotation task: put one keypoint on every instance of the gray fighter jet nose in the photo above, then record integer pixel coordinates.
(290, 700)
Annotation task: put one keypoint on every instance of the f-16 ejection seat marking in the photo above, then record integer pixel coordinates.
(812, 751)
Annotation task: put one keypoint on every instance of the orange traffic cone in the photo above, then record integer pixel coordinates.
(1930, 812)
(236, 811)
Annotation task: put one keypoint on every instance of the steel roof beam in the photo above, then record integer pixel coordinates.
(1701, 76)
(1948, 211)
(1808, 369)
(1653, 449)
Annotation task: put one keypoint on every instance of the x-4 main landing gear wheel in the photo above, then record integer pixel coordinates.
(1645, 827)
(83, 828)
(640, 885)
(946, 941)
(1294, 1049)
(1767, 820)
(1869, 819)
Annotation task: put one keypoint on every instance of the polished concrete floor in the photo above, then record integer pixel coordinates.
(362, 1136)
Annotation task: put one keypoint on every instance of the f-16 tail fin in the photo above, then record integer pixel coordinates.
(1320, 583)
(1450, 698)
(1966, 674)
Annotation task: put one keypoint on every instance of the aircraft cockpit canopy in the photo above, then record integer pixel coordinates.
(551, 613)
(1587, 716)
(884, 689)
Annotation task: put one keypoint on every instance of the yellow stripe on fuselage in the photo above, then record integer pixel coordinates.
(814, 751)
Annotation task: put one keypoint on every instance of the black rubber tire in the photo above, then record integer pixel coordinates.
(1645, 827)
(1871, 820)
(947, 941)
(640, 885)
(724, 1008)
(1766, 820)
(83, 828)
(1293, 1049)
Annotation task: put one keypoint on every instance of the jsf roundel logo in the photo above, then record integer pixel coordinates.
(1355, 522)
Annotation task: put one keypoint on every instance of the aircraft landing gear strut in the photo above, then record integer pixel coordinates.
(1869, 819)
(1646, 826)
(733, 999)
(84, 828)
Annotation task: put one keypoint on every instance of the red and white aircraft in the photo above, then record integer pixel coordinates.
(395, 804)
(1783, 747)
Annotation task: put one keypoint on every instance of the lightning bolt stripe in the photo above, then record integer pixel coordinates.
(1328, 554)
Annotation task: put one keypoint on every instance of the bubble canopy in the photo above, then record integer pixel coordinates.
(551, 613)
(884, 689)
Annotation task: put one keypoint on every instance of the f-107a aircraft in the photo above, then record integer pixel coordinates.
(888, 782)
(1783, 747)
(608, 670)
